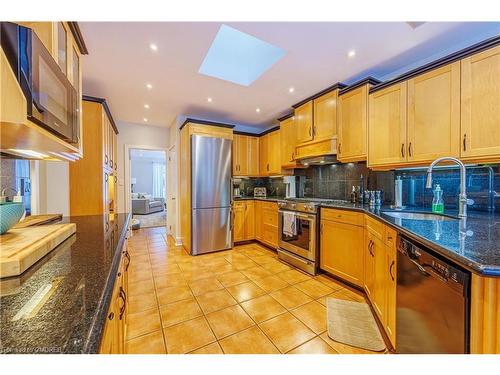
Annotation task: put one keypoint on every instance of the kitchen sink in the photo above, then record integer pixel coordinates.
(417, 216)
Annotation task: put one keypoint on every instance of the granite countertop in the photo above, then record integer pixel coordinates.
(79, 276)
(473, 243)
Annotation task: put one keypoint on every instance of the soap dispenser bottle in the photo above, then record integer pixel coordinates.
(437, 201)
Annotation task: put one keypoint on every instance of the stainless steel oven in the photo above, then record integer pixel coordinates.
(52, 101)
(298, 234)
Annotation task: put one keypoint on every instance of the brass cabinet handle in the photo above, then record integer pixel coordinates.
(370, 248)
(402, 150)
(390, 270)
(127, 255)
(268, 167)
(465, 142)
(339, 148)
(409, 149)
(111, 315)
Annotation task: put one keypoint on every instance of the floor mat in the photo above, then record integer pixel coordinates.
(157, 219)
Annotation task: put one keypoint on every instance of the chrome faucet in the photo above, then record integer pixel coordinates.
(462, 201)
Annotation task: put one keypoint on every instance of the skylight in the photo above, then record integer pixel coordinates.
(239, 57)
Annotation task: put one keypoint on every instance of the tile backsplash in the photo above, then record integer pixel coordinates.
(14, 176)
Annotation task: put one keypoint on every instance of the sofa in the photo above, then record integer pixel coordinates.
(144, 204)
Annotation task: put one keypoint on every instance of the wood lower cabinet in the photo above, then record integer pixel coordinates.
(341, 248)
(115, 328)
(258, 220)
(245, 155)
(269, 226)
(480, 109)
(244, 220)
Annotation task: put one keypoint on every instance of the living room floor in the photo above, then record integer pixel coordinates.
(242, 300)
(156, 219)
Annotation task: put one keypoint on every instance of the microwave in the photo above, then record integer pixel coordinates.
(52, 101)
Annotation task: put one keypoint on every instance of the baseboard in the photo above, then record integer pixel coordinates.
(178, 241)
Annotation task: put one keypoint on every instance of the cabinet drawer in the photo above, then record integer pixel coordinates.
(270, 235)
(343, 216)
(270, 217)
(269, 205)
(390, 236)
(239, 204)
(376, 227)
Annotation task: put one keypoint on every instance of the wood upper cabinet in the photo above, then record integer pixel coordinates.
(480, 109)
(352, 124)
(263, 155)
(325, 116)
(387, 126)
(288, 141)
(434, 114)
(341, 249)
(270, 154)
(304, 122)
(245, 155)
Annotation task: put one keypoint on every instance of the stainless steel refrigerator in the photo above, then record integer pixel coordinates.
(211, 220)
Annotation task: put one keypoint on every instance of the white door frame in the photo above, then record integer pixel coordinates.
(126, 158)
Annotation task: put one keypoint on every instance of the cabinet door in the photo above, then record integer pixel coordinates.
(236, 150)
(390, 326)
(258, 220)
(387, 126)
(325, 116)
(379, 289)
(263, 160)
(274, 154)
(369, 265)
(239, 221)
(304, 122)
(249, 220)
(62, 47)
(106, 196)
(288, 142)
(434, 114)
(480, 109)
(253, 156)
(341, 250)
(352, 126)
(105, 137)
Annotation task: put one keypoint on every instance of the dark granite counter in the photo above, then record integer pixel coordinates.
(59, 305)
(473, 243)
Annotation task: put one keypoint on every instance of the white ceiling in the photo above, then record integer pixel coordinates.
(120, 63)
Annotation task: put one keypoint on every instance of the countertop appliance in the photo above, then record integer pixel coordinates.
(259, 192)
(298, 241)
(432, 301)
(52, 101)
(290, 185)
(212, 218)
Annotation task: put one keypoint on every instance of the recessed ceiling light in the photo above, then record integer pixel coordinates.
(257, 110)
(149, 86)
(146, 106)
(291, 89)
(351, 53)
(145, 119)
(209, 100)
(153, 47)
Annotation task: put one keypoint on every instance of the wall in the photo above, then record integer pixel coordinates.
(15, 174)
(139, 136)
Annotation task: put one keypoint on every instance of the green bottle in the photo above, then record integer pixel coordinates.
(437, 201)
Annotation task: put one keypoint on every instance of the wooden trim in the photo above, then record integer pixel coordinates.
(236, 132)
(269, 131)
(102, 101)
(336, 86)
(366, 81)
(77, 35)
(475, 48)
(206, 122)
(286, 117)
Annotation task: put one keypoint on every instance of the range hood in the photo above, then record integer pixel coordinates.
(320, 160)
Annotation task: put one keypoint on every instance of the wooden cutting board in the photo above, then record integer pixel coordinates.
(21, 248)
(37, 220)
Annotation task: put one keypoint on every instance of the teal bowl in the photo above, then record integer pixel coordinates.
(10, 214)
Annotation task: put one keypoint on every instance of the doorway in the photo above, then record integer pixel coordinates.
(148, 187)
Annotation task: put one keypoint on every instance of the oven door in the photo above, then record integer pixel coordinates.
(302, 240)
(52, 99)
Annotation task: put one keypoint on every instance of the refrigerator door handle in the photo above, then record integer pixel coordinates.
(232, 220)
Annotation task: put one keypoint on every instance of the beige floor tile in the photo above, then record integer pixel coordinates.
(230, 320)
(165, 269)
(216, 300)
(205, 285)
(243, 264)
(330, 282)
(343, 348)
(134, 276)
(271, 283)
(263, 308)
(152, 343)
(212, 348)
(141, 287)
(170, 280)
(290, 297)
(232, 278)
(179, 311)
(314, 346)
(314, 288)
(276, 267)
(195, 275)
(188, 336)
(313, 315)
(173, 294)
(143, 322)
(286, 332)
(294, 276)
(245, 291)
(354, 295)
(256, 272)
(220, 270)
(264, 259)
(249, 341)
(139, 258)
(338, 294)
(141, 302)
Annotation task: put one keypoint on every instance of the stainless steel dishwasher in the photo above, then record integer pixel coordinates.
(432, 302)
